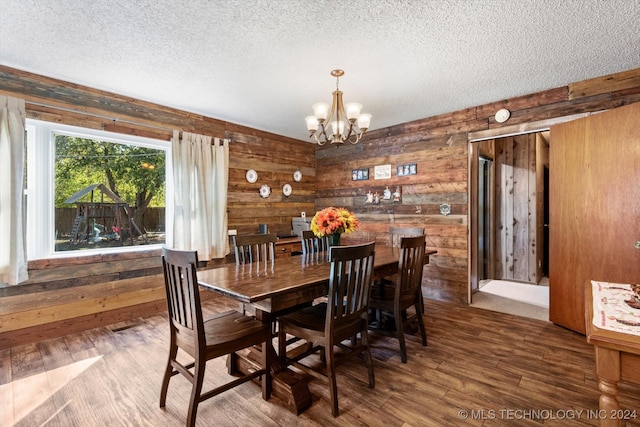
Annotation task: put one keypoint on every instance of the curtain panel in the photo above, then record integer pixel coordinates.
(13, 250)
(200, 179)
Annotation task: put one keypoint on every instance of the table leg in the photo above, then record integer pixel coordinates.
(608, 372)
(288, 386)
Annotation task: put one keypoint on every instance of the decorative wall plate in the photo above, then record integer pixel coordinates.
(297, 176)
(286, 190)
(265, 191)
(252, 176)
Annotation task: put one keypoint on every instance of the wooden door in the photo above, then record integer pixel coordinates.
(594, 205)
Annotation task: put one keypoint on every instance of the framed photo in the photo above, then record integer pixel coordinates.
(359, 174)
(382, 172)
(409, 169)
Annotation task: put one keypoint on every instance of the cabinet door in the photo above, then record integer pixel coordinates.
(594, 204)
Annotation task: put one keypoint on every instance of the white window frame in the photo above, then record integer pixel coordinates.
(41, 186)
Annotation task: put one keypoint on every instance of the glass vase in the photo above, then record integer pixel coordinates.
(334, 239)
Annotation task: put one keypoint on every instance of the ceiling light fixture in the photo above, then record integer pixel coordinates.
(339, 118)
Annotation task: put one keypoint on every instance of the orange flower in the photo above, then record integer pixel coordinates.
(333, 220)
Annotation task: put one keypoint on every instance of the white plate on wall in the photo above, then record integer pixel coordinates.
(265, 191)
(297, 176)
(286, 190)
(252, 176)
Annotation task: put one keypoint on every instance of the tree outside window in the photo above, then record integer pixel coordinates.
(119, 189)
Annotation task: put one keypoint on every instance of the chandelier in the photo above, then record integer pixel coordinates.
(347, 124)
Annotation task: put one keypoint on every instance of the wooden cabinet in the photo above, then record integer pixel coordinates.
(285, 247)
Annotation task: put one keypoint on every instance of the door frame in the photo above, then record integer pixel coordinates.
(472, 182)
(486, 217)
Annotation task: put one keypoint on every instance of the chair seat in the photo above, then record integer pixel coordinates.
(383, 297)
(312, 317)
(382, 292)
(230, 331)
(382, 300)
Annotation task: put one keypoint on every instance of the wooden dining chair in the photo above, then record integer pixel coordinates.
(397, 233)
(203, 340)
(254, 248)
(395, 237)
(394, 299)
(330, 324)
(250, 248)
(314, 244)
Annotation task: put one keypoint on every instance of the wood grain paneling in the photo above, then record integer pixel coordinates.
(610, 83)
(275, 159)
(438, 145)
(516, 210)
(67, 293)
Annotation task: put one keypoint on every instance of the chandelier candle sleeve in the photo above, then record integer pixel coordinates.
(347, 124)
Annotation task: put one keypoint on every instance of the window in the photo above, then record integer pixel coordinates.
(90, 190)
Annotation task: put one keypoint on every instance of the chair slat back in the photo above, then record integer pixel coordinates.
(183, 296)
(254, 248)
(312, 243)
(411, 266)
(349, 285)
(397, 233)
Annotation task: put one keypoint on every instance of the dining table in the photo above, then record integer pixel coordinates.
(274, 287)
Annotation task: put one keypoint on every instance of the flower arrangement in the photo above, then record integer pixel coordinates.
(333, 220)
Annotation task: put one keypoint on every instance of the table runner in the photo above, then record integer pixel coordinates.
(611, 312)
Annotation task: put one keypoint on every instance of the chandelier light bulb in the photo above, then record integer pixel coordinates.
(320, 111)
(353, 111)
(312, 123)
(338, 128)
(363, 121)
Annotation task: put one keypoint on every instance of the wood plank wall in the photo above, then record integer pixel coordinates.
(72, 294)
(439, 147)
(275, 159)
(119, 288)
(442, 178)
(516, 214)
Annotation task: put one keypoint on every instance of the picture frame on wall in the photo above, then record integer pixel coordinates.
(408, 169)
(360, 174)
(382, 172)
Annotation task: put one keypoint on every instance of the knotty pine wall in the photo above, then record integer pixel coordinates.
(72, 294)
(75, 294)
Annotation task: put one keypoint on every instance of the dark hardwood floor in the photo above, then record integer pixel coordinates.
(480, 368)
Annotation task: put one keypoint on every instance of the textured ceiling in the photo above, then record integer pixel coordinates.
(262, 63)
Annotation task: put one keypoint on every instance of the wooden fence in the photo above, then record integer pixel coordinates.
(153, 220)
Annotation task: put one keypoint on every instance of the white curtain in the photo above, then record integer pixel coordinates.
(200, 177)
(13, 254)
